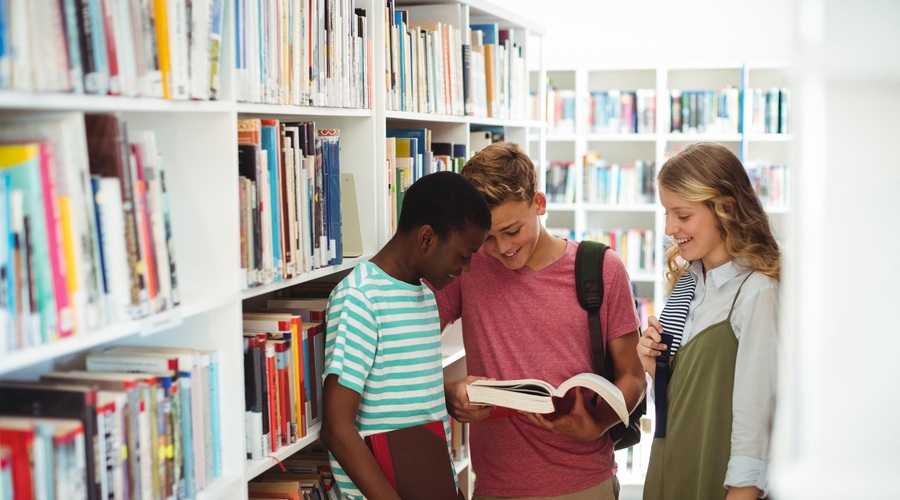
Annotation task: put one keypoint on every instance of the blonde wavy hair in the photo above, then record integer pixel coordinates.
(711, 174)
(502, 172)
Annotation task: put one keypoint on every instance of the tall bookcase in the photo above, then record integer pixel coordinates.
(577, 104)
(577, 132)
(198, 140)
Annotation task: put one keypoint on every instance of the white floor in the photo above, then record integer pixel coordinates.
(631, 491)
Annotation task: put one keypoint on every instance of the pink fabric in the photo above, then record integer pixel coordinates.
(527, 324)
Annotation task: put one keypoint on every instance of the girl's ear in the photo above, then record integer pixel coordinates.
(728, 204)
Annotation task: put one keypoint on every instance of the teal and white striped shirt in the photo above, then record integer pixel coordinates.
(383, 340)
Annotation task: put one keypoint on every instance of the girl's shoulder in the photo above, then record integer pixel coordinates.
(758, 282)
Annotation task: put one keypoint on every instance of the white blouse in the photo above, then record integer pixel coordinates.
(755, 324)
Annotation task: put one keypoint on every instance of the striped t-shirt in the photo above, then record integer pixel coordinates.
(383, 341)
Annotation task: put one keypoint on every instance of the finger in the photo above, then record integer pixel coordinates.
(654, 322)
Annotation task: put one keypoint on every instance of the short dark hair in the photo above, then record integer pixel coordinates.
(446, 201)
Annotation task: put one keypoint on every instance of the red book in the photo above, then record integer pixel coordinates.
(274, 432)
(416, 461)
(20, 441)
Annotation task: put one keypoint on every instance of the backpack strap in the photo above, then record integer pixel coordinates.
(589, 289)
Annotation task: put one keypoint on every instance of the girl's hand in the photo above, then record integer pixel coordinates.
(649, 347)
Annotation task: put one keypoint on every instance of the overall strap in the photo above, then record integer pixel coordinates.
(733, 302)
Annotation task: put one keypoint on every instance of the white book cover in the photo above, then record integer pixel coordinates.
(115, 255)
(179, 53)
(200, 57)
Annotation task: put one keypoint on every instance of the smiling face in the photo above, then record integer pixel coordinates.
(693, 226)
(515, 231)
(449, 257)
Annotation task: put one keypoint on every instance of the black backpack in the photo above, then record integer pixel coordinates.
(589, 288)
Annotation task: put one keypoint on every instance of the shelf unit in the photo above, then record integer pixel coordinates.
(198, 141)
(578, 217)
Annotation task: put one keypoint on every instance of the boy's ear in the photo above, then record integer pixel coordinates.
(426, 238)
(540, 201)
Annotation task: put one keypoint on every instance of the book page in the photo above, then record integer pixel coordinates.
(606, 389)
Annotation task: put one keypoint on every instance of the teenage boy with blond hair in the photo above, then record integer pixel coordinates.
(521, 319)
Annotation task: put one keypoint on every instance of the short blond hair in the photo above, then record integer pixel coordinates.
(502, 172)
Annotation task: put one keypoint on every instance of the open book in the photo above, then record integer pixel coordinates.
(536, 396)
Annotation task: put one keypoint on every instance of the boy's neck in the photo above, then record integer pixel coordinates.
(395, 261)
(547, 251)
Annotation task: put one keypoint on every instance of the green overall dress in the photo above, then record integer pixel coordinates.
(690, 462)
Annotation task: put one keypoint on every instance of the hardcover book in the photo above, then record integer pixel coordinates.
(416, 461)
(536, 396)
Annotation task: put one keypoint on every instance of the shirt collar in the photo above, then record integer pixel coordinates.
(720, 275)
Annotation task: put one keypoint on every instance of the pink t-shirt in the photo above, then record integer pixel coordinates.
(528, 324)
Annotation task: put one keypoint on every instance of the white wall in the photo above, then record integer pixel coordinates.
(839, 390)
(609, 32)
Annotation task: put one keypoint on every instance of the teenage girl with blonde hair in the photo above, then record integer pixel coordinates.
(712, 352)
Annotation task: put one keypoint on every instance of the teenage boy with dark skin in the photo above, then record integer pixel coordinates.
(383, 351)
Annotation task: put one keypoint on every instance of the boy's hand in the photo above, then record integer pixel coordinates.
(458, 405)
(577, 424)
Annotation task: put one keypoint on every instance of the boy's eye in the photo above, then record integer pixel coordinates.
(513, 233)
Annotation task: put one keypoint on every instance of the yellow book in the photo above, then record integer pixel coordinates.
(162, 45)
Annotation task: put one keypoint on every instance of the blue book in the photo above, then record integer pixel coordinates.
(187, 434)
(216, 425)
(331, 165)
(270, 144)
(99, 81)
(490, 32)
(70, 19)
(399, 20)
(7, 269)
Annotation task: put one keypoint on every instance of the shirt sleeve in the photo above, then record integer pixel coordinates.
(351, 338)
(755, 321)
(619, 317)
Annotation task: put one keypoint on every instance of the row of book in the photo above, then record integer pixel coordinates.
(284, 356)
(768, 111)
(411, 154)
(305, 475)
(560, 181)
(618, 183)
(561, 116)
(771, 182)
(137, 422)
(622, 112)
(165, 48)
(85, 231)
(303, 52)
(435, 65)
(705, 111)
(290, 199)
(636, 247)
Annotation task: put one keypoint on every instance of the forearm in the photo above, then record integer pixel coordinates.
(742, 493)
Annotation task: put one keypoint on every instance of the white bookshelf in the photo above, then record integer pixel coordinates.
(198, 141)
(654, 145)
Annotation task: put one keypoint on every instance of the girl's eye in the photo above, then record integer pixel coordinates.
(683, 217)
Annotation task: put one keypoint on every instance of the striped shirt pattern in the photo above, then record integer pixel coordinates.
(675, 312)
(383, 341)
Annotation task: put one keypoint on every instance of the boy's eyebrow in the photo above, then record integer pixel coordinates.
(511, 224)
